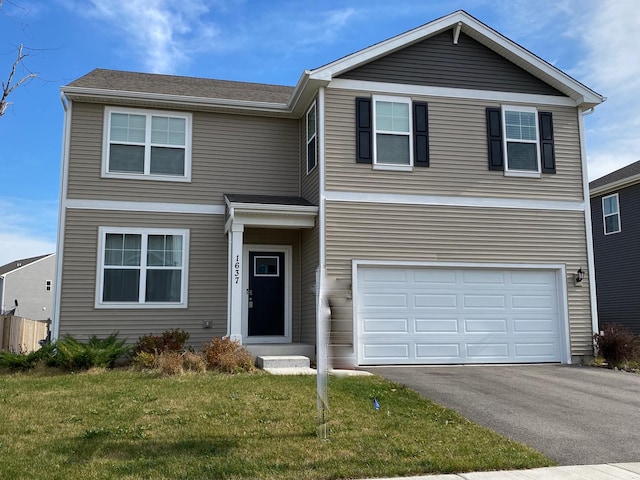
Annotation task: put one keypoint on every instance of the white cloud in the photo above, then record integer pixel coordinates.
(27, 228)
(610, 31)
(163, 34)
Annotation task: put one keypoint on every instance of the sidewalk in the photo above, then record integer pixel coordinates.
(613, 471)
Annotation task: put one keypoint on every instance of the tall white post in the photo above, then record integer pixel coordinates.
(235, 281)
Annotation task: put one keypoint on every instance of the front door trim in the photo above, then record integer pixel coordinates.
(287, 250)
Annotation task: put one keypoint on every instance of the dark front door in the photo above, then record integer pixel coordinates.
(266, 294)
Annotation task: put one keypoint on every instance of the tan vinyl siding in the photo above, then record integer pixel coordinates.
(458, 155)
(437, 61)
(207, 295)
(310, 260)
(230, 154)
(460, 234)
(262, 236)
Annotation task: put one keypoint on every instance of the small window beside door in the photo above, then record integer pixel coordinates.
(266, 266)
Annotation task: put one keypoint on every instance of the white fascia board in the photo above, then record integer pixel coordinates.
(259, 208)
(446, 92)
(453, 201)
(144, 206)
(610, 187)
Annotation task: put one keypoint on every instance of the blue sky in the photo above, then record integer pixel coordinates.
(272, 41)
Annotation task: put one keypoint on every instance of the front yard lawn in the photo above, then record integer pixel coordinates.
(128, 424)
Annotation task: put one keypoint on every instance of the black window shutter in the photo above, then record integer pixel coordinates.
(364, 139)
(420, 134)
(547, 149)
(494, 138)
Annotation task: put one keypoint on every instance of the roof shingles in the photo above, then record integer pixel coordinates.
(122, 81)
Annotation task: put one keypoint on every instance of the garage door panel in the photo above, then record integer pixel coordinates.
(536, 302)
(481, 325)
(484, 301)
(535, 325)
(432, 325)
(465, 315)
(387, 325)
(433, 277)
(439, 351)
(495, 278)
(385, 300)
(392, 351)
(435, 300)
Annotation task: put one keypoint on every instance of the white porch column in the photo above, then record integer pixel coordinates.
(236, 289)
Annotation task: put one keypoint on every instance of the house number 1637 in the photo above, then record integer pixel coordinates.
(236, 271)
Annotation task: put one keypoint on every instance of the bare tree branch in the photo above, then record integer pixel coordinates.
(9, 87)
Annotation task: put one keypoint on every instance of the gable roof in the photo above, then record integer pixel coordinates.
(461, 21)
(100, 85)
(620, 178)
(11, 266)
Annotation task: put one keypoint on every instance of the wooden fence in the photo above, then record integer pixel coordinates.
(19, 334)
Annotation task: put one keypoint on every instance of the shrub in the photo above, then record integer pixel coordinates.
(225, 355)
(616, 344)
(169, 362)
(194, 362)
(169, 341)
(145, 360)
(27, 361)
(72, 354)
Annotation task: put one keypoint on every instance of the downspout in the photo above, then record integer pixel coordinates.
(587, 221)
(321, 173)
(64, 171)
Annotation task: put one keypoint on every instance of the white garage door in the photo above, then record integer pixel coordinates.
(462, 315)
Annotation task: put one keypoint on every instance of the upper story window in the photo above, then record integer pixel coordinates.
(142, 268)
(521, 139)
(147, 144)
(611, 214)
(392, 132)
(312, 148)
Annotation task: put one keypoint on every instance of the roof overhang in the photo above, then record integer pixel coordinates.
(269, 215)
(616, 185)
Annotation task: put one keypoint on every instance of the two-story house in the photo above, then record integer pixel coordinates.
(615, 217)
(440, 175)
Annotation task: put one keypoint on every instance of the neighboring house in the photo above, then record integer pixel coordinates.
(26, 287)
(439, 174)
(615, 217)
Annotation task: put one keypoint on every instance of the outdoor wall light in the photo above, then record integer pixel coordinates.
(579, 276)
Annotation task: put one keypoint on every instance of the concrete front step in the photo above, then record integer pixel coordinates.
(267, 362)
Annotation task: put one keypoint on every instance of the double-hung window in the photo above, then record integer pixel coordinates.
(521, 140)
(147, 144)
(312, 149)
(142, 268)
(611, 214)
(392, 121)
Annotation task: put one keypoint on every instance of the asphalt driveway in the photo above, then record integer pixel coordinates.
(574, 415)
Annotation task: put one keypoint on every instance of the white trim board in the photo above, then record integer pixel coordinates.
(145, 206)
(451, 201)
(447, 92)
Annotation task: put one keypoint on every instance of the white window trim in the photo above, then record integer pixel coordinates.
(388, 166)
(605, 215)
(514, 172)
(146, 176)
(314, 136)
(102, 234)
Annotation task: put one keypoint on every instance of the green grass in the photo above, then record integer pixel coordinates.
(127, 424)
